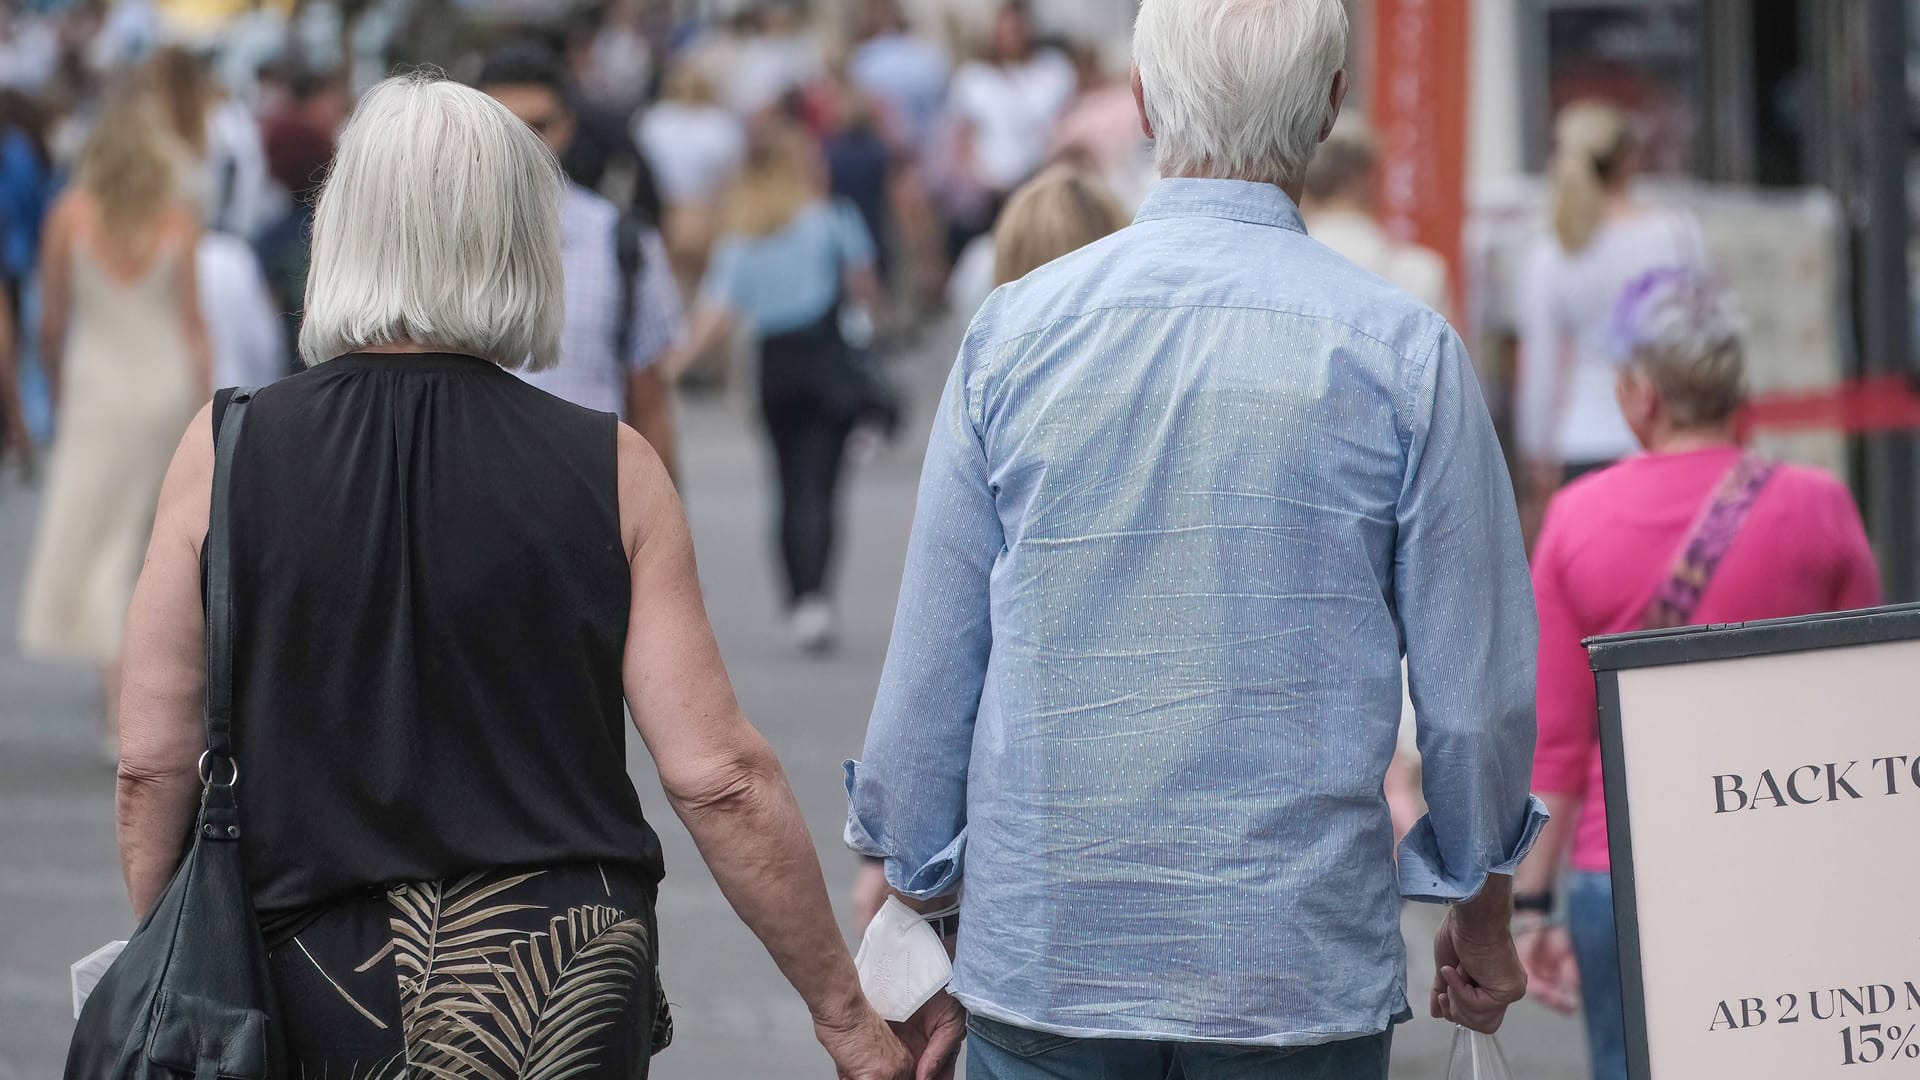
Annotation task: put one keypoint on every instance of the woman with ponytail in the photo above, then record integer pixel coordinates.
(1567, 422)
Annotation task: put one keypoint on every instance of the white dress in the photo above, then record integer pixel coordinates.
(127, 394)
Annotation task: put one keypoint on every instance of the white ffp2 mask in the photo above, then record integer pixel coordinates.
(901, 961)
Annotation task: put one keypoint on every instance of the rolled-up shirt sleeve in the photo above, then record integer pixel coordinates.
(907, 795)
(1465, 607)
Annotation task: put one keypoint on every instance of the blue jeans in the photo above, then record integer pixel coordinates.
(1597, 951)
(997, 1051)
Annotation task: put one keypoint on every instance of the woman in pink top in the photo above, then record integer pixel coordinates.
(1609, 543)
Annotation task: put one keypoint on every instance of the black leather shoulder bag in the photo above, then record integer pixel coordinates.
(190, 996)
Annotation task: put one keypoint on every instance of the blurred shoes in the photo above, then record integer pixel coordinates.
(811, 625)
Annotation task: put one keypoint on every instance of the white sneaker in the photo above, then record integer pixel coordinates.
(811, 625)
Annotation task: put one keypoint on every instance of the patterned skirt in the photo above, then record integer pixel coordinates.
(500, 975)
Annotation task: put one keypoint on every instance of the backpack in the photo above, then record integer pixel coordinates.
(631, 256)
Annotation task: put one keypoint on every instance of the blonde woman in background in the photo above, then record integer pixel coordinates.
(128, 362)
(788, 260)
(1567, 421)
(1060, 211)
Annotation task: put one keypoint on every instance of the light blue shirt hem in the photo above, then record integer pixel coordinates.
(988, 1009)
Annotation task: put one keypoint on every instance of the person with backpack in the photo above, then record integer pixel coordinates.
(623, 310)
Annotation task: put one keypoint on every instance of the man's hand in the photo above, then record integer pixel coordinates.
(1477, 972)
(1553, 976)
(934, 1035)
(862, 1048)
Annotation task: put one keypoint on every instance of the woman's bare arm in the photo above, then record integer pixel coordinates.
(56, 281)
(723, 779)
(164, 678)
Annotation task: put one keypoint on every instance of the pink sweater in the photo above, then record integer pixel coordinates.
(1610, 539)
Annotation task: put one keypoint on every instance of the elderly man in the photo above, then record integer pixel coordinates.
(1191, 493)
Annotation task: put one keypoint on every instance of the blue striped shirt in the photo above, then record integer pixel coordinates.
(1190, 493)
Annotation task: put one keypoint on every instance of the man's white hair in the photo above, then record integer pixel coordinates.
(1238, 89)
(439, 225)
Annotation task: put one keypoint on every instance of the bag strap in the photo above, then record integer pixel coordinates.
(1707, 544)
(219, 617)
(630, 256)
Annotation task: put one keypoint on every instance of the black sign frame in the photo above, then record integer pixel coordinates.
(1610, 655)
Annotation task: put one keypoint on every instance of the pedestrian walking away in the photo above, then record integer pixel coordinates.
(1566, 421)
(789, 265)
(1189, 491)
(450, 866)
(1696, 530)
(128, 362)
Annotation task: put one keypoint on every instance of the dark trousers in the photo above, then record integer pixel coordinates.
(809, 434)
(997, 1051)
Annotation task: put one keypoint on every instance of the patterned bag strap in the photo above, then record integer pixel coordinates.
(1707, 543)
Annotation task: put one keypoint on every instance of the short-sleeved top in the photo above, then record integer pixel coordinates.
(431, 599)
(1012, 109)
(789, 279)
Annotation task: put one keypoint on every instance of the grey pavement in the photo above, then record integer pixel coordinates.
(60, 891)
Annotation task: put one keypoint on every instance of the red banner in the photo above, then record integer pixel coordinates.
(1860, 407)
(1421, 64)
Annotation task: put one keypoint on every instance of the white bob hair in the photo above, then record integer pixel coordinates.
(1239, 89)
(438, 226)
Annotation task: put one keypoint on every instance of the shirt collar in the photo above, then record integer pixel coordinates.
(1234, 200)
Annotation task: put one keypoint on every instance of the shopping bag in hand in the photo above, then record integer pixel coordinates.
(1476, 1057)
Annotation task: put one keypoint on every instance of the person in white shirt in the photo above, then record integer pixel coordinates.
(1339, 210)
(1567, 421)
(249, 343)
(696, 146)
(1003, 109)
(694, 143)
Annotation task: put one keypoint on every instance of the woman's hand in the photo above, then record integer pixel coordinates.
(863, 1047)
(1553, 976)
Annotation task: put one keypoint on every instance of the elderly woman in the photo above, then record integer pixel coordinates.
(446, 585)
(1696, 530)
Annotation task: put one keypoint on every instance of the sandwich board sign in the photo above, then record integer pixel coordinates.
(1763, 811)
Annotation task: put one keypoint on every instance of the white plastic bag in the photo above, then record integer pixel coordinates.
(1476, 1057)
(87, 971)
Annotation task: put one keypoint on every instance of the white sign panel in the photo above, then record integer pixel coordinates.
(1763, 801)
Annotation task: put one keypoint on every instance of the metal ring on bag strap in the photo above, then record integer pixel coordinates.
(206, 773)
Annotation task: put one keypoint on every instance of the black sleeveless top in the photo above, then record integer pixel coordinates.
(430, 595)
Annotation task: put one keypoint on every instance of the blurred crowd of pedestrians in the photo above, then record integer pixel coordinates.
(775, 204)
(760, 189)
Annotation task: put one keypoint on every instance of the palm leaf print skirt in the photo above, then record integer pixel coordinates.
(529, 974)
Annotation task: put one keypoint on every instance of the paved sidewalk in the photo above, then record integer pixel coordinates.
(60, 891)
